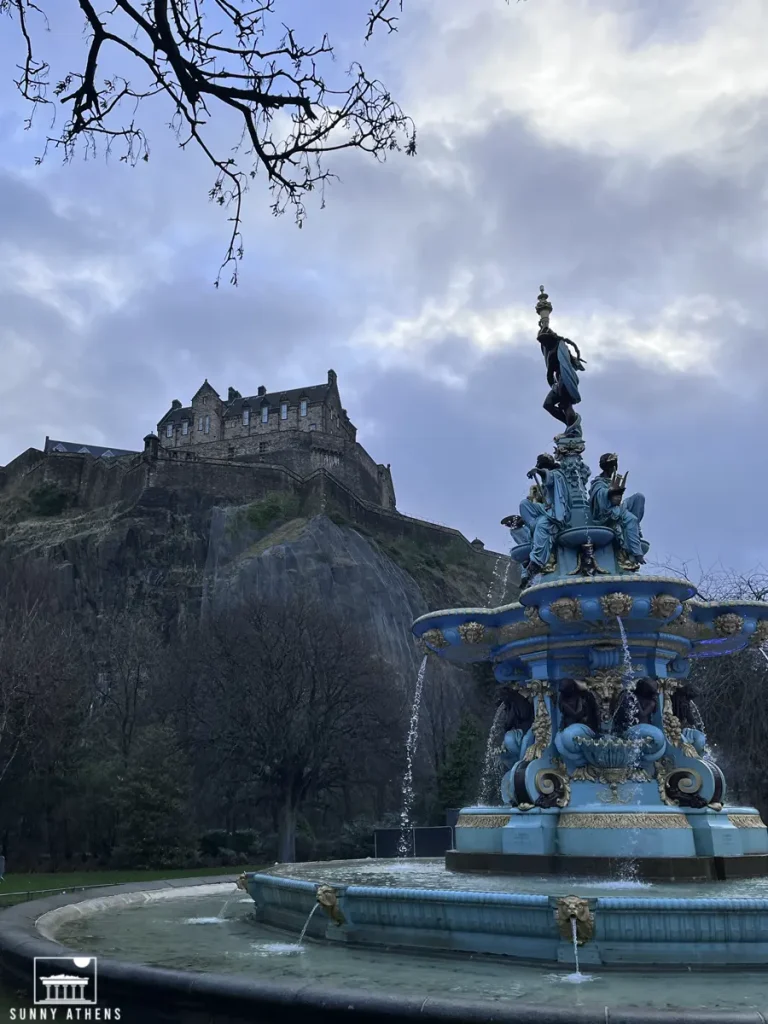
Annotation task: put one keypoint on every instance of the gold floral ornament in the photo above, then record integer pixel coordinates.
(483, 820)
(760, 636)
(567, 609)
(328, 899)
(676, 782)
(531, 625)
(553, 785)
(542, 723)
(615, 605)
(664, 606)
(684, 624)
(472, 632)
(626, 562)
(728, 624)
(671, 724)
(575, 909)
(435, 639)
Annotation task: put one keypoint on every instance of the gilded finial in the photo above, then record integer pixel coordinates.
(543, 308)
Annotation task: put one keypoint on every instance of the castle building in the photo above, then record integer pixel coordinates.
(302, 429)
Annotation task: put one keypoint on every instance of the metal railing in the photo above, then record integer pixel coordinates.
(30, 894)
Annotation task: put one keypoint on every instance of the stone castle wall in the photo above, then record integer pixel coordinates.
(302, 452)
(176, 483)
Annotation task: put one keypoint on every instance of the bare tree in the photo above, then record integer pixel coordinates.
(294, 706)
(731, 690)
(209, 58)
(125, 657)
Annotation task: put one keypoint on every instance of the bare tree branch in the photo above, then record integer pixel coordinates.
(231, 55)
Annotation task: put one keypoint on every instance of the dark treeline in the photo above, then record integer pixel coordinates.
(269, 732)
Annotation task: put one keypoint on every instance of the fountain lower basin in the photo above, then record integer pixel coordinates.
(157, 962)
(723, 924)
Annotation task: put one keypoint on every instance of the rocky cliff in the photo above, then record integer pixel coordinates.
(189, 551)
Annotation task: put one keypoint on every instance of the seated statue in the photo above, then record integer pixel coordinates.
(636, 708)
(579, 716)
(610, 508)
(546, 511)
(520, 533)
(518, 719)
(647, 694)
(514, 746)
(631, 718)
(685, 709)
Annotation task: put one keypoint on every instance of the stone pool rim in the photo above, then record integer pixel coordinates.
(193, 995)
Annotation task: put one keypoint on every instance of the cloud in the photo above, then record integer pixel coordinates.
(614, 152)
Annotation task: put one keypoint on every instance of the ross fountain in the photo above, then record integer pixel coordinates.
(608, 769)
(612, 856)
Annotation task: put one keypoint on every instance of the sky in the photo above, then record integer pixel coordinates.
(615, 151)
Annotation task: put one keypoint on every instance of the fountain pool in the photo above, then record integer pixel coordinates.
(187, 932)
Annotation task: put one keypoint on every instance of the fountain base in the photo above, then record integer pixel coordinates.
(665, 842)
(643, 869)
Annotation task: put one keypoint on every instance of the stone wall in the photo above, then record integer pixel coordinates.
(302, 452)
(172, 484)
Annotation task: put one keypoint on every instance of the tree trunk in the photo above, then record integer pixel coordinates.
(286, 841)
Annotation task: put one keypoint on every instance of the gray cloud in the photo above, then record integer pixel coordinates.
(108, 311)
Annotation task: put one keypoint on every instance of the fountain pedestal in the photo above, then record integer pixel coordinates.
(606, 755)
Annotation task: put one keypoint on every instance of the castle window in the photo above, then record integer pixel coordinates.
(313, 426)
(303, 407)
(207, 424)
(185, 426)
(283, 410)
(169, 430)
(262, 447)
(200, 423)
(265, 414)
(246, 417)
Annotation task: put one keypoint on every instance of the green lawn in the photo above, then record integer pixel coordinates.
(16, 888)
(14, 884)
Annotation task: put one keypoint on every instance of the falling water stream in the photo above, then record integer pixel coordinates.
(630, 870)
(490, 762)
(500, 577)
(306, 923)
(577, 977)
(629, 671)
(403, 846)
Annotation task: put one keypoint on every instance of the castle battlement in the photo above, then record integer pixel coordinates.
(303, 429)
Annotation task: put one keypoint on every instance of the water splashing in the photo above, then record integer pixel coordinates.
(406, 826)
(498, 576)
(491, 754)
(629, 671)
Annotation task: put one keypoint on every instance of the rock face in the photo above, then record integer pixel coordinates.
(324, 562)
(185, 545)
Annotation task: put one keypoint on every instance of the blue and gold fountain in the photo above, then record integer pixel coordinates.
(614, 843)
(606, 755)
